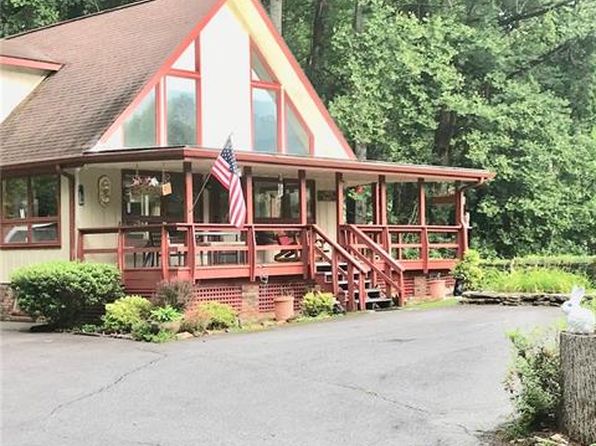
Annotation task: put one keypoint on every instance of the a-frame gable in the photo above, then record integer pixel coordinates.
(227, 93)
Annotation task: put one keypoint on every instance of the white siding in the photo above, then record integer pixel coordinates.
(15, 85)
(225, 88)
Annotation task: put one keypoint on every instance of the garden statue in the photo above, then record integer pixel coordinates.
(579, 320)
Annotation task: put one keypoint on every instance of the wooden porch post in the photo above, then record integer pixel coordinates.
(382, 200)
(460, 220)
(188, 192)
(248, 188)
(340, 201)
(424, 252)
(375, 204)
(302, 193)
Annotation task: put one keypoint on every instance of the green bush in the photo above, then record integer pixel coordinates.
(165, 314)
(176, 293)
(149, 332)
(582, 265)
(535, 281)
(316, 303)
(469, 270)
(126, 313)
(61, 291)
(210, 316)
(534, 380)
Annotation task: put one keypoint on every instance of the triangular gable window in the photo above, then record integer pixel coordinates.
(259, 70)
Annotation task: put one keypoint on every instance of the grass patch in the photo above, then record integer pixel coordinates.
(443, 303)
(539, 280)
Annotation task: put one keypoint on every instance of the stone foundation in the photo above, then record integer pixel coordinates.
(9, 309)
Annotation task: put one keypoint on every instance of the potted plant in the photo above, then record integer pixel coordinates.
(436, 287)
(283, 306)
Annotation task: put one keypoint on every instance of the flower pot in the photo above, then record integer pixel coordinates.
(437, 288)
(283, 307)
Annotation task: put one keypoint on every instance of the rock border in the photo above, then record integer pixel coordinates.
(515, 299)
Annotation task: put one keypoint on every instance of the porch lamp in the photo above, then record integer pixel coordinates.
(81, 195)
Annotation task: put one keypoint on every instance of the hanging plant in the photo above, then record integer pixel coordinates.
(145, 185)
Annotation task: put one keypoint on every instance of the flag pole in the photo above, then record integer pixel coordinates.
(208, 176)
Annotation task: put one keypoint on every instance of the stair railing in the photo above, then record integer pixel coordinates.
(352, 238)
(337, 255)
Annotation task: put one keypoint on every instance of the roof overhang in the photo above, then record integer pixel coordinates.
(185, 153)
(22, 62)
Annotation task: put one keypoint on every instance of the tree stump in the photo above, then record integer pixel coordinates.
(578, 368)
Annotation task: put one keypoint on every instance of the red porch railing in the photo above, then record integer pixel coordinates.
(420, 247)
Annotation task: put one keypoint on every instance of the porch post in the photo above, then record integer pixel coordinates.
(249, 195)
(460, 220)
(302, 193)
(188, 192)
(424, 251)
(382, 200)
(340, 201)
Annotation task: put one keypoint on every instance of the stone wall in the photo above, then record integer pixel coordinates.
(514, 299)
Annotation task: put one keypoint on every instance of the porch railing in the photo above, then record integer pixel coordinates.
(419, 246)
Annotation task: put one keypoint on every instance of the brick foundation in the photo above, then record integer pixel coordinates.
(416, 285)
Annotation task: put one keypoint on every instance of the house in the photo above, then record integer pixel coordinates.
(111, 123)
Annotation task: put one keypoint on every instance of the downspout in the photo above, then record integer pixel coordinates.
(71, 211)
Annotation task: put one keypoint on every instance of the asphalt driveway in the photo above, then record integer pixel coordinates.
(397, 378)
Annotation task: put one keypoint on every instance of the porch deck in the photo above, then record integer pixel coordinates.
(360, 258)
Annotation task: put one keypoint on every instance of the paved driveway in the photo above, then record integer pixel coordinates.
(396, 378)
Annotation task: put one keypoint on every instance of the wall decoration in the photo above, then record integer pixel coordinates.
(326, 195)
(104, 190)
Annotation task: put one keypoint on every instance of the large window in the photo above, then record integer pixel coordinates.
(169, 113)
(270, 108)
(30, 211)
(139, 127)
(277, 200)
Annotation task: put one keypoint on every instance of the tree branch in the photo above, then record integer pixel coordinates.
(506, 21)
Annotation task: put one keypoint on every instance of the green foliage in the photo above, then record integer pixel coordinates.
(582, 265)
(534, 380)
(127, 313)
(165, 314)
(209, 316)
(148, 332)
(535, 281)
(62, 291)
(469, 270)
(316, 303)
(176, 293)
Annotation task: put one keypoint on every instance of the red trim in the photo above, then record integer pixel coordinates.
(309, 88)
(30, 63)
(163, 70)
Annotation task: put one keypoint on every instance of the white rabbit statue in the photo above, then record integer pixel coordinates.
(579, 320)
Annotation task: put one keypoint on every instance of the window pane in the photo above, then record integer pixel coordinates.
(259, 72)
(139, 128)
(15, 234)
(296, 134)
(268, 199)
(44, 232)
(14, 198)
(264, 109)
(182, 111)
(45, 190)
(186, 61)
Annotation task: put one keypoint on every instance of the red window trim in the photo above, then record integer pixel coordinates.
(29, 221)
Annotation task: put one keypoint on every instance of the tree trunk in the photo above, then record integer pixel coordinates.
(358, 19)
(318, 35)
(578, 366)
(275, 12)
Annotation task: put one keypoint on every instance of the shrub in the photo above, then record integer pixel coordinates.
(176, 293)
(127, 313)
(316, 303)
(469, 270)
(535, 281)
(533, 380)
(61, 291)
(165, 314)
(209, 316)
(148, 332)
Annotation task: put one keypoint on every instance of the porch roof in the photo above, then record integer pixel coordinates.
(274, 161)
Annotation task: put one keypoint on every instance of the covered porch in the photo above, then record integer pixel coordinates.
(324, 221)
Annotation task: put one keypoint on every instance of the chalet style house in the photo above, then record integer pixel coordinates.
(111, 124)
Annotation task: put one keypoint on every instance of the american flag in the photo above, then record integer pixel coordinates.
(226, 171)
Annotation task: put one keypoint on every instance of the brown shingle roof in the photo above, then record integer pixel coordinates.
(16, 48)
(108, 57)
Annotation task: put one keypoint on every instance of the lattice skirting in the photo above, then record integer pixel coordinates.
(271, 290)
(226, 294)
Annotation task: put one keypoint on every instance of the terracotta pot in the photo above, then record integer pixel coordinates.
(283, 307)
(437, 288)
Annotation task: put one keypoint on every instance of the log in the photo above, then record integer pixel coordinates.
(578, 369)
